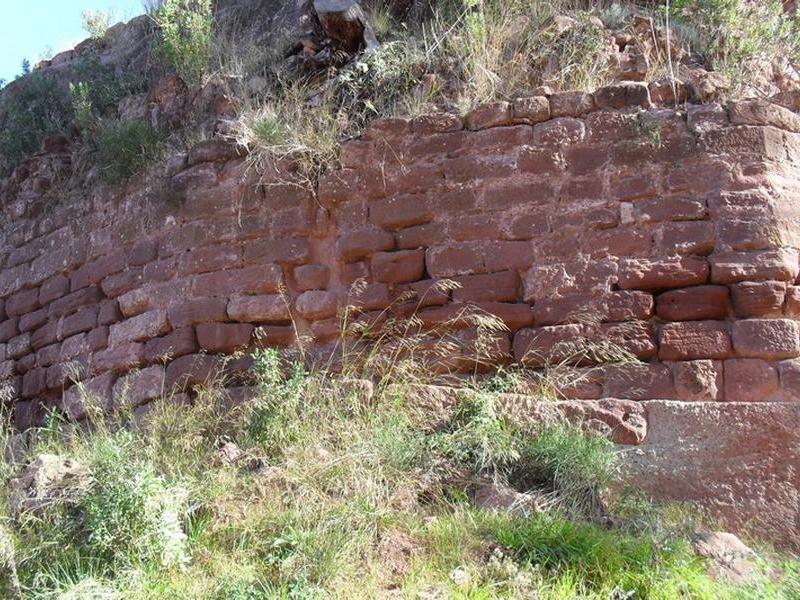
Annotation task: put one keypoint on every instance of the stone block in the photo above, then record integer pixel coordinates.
(224, 337)
(404, 266)
(363, 243)
(758, 298)
(147, 325)
(639, 382)
(698, 380)
(651, 274)
(200, 310)
(699, 303)
(750, 380)
(311, 277)
(770, 339)
(139, 387)
(317, 305)
(691, 340)
(259, 309)
(173, 345)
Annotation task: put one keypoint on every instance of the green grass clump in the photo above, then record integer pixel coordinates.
(125, 148)
(339, 497)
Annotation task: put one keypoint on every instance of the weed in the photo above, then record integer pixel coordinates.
(125, 148)
(185, 42)
(95, 23)
(35, 109)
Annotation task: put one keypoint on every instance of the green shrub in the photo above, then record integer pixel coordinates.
(35, 109)
(125, 148)
(131, 514)
(95, 22)
(185, 42)
(732, 32)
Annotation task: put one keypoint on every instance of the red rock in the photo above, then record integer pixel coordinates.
(8, 329)
(83, 320)
(705, 117)
(311, 277)
(789, 375)
(540, 346)
(581, 276)
(94, 392)
(109, 313)
(540, 161)
(648, 274)
(201, 310)
(770, 339)
(583, 160)
(673, 208)
(173, 345)
(361, 244)
(193, 370)
(143, 252)
(620, 95)
(34, 382)
(571, 104)
(139, 387)
(467, 258)
(19, 346)
(53, 289)
(271, 336)
(223, 337)
(514, 316)
(560, 131)
(489, 115)
(749, 380)
(216, 150)
(44, 336)
(436, 123)
(763, 112)
(694, 339)
(33, 320)
(317, 305)
(793, 301)
(261, 279)
(22, 303)
(212, 258)
(586, 308)
(698, 380)
(120, 283)
(639, 382)
(699, 303)
(625, 187)
(401, 211)
(259, 309)
(75, 300)
(141, 327)
(398, 267)
(97, 339)
(94, 272)
(490, 287)
(687, 237)
(74, 346)
(758, 299)
(290, 251)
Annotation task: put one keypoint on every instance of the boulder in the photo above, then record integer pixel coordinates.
(48, 480)
(728, 557)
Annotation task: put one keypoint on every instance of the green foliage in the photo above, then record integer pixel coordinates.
(131, 514)
(35, 109)
(733, 32)
(185, 43)
(125, 148)
(82, 107)
(95, 22)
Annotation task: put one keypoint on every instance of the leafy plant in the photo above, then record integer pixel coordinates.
(125, 148)
(35, 109)
(95, 22)
(185, 36)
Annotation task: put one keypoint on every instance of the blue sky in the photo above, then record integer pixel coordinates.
(29, 27)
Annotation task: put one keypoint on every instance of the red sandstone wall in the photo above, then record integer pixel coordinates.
(568, 217)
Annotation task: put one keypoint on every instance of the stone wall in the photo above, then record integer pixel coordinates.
(576, 218)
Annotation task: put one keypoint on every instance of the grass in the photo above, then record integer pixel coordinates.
(125, 148)
(339, 495)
